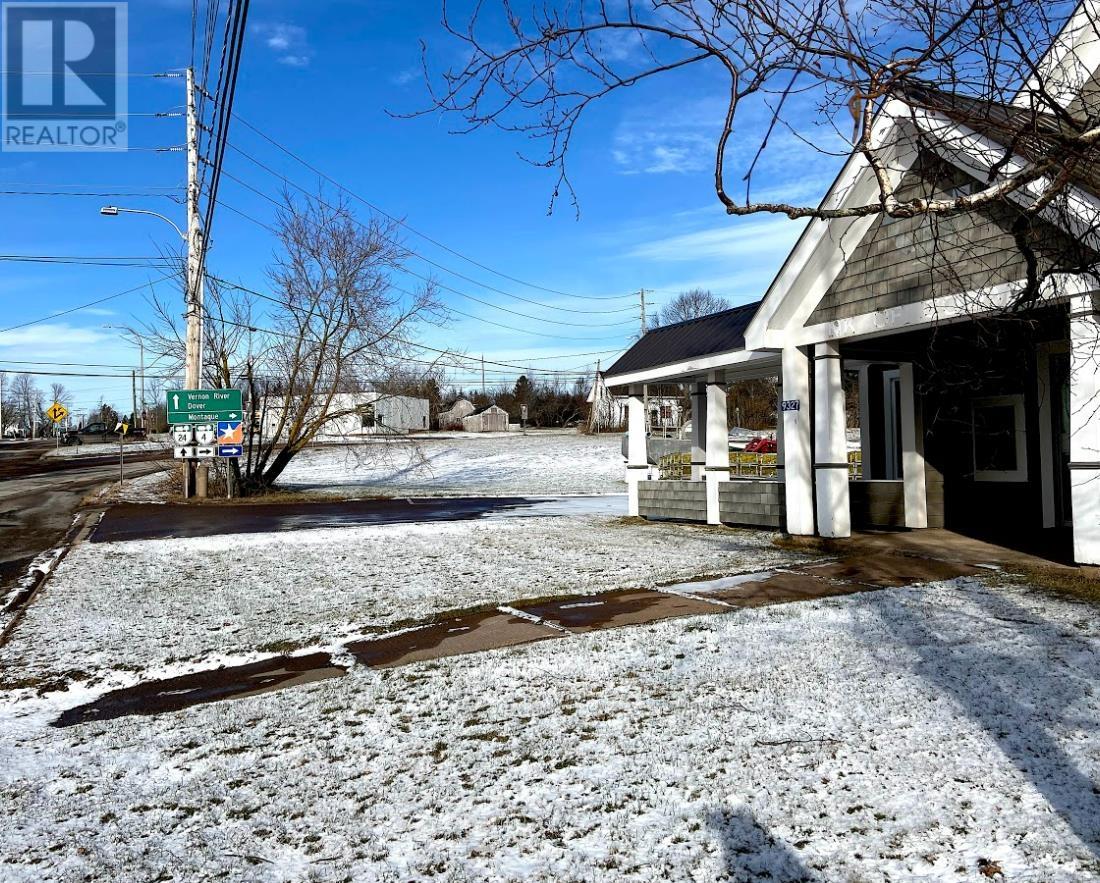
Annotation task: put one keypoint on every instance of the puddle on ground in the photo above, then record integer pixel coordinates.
(465, 633)
(615, 609)
(722, 584)
(524, 623)
(235, 682)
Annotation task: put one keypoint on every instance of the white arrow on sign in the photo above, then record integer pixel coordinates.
(176, 402)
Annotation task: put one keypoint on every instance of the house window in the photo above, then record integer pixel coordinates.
(1000, 438)
(366, 416)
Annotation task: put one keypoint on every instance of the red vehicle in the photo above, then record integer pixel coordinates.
(762, 445)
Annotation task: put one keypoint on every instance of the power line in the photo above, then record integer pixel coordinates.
(275, 300)
(421, 256)
(177, 148)
(473, 298)
(416, 232)
(84, 306)
(176, 188)
(98, 195)
(232, 49)
(78, 258)
(436, 282)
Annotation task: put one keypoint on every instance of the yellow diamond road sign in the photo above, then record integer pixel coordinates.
(57, 412)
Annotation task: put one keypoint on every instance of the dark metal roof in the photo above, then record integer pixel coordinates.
(718, 333)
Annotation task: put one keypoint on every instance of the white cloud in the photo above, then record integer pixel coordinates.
(406, 75)
(51, 338)
(734, 239)
(289, 42)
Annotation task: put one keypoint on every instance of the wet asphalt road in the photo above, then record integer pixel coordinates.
(38, 498)
(134, 521)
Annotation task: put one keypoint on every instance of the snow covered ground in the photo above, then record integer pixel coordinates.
(97, 449)
(134, 606)
(544, 462)
(905, 735)
(918, 734)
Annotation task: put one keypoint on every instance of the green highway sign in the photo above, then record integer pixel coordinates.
(204, 405)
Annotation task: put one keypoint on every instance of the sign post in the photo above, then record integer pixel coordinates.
(57, 413)
(207, 423)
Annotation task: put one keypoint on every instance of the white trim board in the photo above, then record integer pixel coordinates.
(748, 362)
(818, 257)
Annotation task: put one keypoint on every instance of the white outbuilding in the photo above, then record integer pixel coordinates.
(364, 413)
(492, 419)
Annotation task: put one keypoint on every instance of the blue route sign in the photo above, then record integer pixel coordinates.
(230, 450)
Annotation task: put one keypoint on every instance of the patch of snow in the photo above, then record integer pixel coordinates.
(906, 734)
(110, 605)
(498, 464)
(96, 449)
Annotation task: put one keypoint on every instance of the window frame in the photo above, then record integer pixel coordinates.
(1018, 403)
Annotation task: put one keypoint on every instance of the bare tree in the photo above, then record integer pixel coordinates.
(691, 304)
(333, 323)
(58, 393)
(828, 75)
(26, 402)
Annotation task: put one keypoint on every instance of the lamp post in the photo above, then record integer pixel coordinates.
(113, 211)
(194, 294)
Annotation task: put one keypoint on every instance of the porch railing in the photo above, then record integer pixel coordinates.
(743, 464)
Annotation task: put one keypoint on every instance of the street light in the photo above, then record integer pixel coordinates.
(113, 211)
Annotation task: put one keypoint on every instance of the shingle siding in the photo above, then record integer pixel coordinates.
(907, 260)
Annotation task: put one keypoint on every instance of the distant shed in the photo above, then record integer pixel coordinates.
(452, 418)
(492, 419)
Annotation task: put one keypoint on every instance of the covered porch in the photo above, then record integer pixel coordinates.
(815, 488)
(1004, 450)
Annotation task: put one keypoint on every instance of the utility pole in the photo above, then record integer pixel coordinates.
(194, 277)
(597, 402)
(645, 388)
(1, 405)
(141, 363)
(483, 373)
(133, 393)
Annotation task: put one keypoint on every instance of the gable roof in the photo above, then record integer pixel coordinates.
(1033, 134)
(717, 333)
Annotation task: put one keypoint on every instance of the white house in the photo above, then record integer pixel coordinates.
(363, 414)
(609, 410)
(1012, 449)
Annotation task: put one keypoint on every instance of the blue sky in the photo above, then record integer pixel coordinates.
(320, 78)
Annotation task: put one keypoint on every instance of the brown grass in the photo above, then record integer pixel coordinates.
(1075, 583)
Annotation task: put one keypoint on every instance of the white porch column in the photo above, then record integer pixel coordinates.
(834, 518)
(718, 447)
(1084, 426)
(795, 412)
(779, 444)
(698, 431)
(912, 451)
(637, 460)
